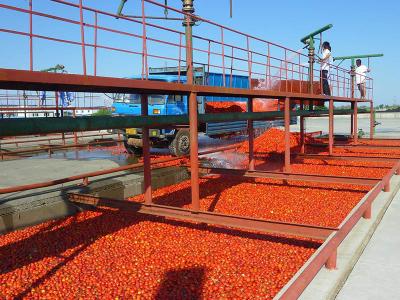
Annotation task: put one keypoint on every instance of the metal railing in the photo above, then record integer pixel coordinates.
(148, 42)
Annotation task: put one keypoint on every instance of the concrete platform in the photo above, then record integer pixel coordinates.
(328, 283)
(377, 272)
(27, 208)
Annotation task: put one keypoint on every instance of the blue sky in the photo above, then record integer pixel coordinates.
(359, 27)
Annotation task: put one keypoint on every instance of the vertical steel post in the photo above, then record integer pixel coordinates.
(146, 153)
(371, 120)
(57, 111)
(30, 36)
(188, 24)
(331, 262)
(352, 94)
(287, 167)
(331, 127)
(251, 135)
(311, 60)
(194, 158)
(75, 133)
(368, 212)
(95, 44)
(82, 37)
(302, 136)
(352, 121)
(355, 122)
(223, 57)
(144, 45)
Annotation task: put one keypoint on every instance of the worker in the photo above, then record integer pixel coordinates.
(326, 61)
(361, 70)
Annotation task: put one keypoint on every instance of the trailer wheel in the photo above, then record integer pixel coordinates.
(180, 145)
(132, 149)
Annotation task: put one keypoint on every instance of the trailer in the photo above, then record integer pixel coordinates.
(177, 140)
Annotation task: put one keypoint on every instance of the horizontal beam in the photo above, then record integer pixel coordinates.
(293, 176)
(42, 81)
(239, 222)
(26, 126)
(347, 157)
(343, 146)
(357, 56)
(312, 34)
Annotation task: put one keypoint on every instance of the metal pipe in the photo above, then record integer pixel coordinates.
(331, 127)
(305, 39)
(30, 36)
(15, 126)
(251, 136)
(188, 24)
(146, 154)
(287, 167)
(82, 36)
(302, 135)
(356, 56)
(194, 159)
(121, 7)
(371, 121)
(355, 122)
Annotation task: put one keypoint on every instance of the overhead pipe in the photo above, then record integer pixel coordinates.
(14, 127)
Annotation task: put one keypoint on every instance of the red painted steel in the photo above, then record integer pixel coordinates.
(251, 135)
(367, 181)
(146, 154)
(240, 222)
(194, 149)
(331, 128)
(290, 66)
(324, 254)
(287, 167)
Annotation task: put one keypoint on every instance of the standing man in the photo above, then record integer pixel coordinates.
(361, 70)
(326, 61)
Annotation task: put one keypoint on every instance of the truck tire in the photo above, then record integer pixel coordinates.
(180, 145)
(132, 149)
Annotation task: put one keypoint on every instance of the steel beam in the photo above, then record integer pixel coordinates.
(367, 181)
(239, 222)
(42, 81)
(194, 148)
(251, 136)
(347, 157)
(26, 126)
(287, 167)
(331, 129)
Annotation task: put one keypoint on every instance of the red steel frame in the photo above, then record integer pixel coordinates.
(342, 88)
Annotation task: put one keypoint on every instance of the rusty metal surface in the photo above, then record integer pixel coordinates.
(241, 222)
(39, 81)
(327, 252)
(293, 176)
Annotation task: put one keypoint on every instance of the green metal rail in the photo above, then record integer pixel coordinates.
(309, 38)
(14, 127)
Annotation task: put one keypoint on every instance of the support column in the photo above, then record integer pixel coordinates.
(287, 167)
(371, 121)
(194, 146)
(367, 213)
(146, 154)
(251, 135)
(331, 127)
(352, 121)
(331, 262)
(355, 122)
(302, 137)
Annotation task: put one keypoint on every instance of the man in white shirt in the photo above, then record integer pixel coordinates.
(361, 70)
(326, 61)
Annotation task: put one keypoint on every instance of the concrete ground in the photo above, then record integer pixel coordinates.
(388, 127)
(377, 272)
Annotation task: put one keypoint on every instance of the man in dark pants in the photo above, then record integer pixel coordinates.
(326, 61)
